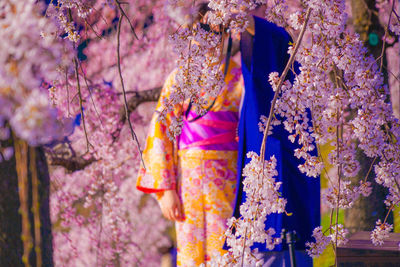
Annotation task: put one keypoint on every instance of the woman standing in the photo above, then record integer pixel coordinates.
(194, 176)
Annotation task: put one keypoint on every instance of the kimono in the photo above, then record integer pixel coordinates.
(266, 53)
(200, 165)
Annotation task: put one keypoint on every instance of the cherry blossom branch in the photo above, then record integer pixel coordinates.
(272, 110)
(339, 170)
(384, 37)
(370, 169)
(281, 80)
(123, 14)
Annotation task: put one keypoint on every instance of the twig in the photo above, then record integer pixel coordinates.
(133, 134)
(339, 180)
(123, 14)
(88, 144)
(370, 169)
(90, 93)
(384, 38)
(91, 27)
(390, 209)
(67, 87)
(75, 60)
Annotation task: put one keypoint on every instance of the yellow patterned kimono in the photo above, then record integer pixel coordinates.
(200, 165)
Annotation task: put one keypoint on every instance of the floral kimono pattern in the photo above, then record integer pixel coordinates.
(201, 166)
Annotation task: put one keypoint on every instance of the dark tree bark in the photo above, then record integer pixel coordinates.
(134, 101)
(10, 220)
(44, 200)
(366, 211)
(63, 155)
(11, 245)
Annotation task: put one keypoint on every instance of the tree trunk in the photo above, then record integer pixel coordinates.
(366, 211)
(40, 251)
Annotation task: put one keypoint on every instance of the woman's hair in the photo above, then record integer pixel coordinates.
(200, 11)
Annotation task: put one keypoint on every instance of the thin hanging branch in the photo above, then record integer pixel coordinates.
(339, 170)
(75, 60)
(281, 80)
(90, 93)
(384, 37)
(133, 134)
(88, 144)
(123, 14)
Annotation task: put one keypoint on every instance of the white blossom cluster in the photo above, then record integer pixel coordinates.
(199, 76)
(262, 199)
(389, 12)
(65, 8)
(380, 233)
(395, 27)
(321, 241)
(232, 14)
(277, 11)
(338, 236)
(346, 195)
(26, 61)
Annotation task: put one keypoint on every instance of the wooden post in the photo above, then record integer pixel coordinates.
(360, 252)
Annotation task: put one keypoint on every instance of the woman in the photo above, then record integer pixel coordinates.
(194, 177)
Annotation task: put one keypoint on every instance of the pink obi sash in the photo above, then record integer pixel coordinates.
(214, 131)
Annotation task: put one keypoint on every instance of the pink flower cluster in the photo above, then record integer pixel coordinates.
(337, 74)
(198, 76)
(321, 241)
(262, 199)
(380, 233)
(26, 60)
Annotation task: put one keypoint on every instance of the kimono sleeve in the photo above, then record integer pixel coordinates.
(159, 154)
